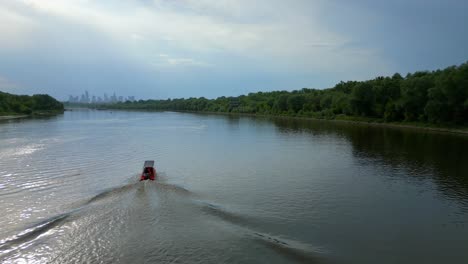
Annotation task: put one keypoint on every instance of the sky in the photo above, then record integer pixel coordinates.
(209, 48)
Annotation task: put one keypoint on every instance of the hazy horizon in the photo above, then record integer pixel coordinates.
(200, 48)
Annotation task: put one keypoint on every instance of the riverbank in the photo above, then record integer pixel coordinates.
(8, 117)
(358, 121)
(338, 118)
(34, 114)
(407, 125)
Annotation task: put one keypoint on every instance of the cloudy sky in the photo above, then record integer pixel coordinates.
(210, 48)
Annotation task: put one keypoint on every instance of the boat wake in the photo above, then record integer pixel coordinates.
(112, 192)
(291, 249)
(27, 236)
(118, 205)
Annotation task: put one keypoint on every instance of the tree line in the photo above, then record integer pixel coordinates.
(439, 97)
(27, 105)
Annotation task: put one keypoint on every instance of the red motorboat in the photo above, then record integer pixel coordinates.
(149, 172)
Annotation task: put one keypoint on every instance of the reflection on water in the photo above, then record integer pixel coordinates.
(230, 189)
(441, 157)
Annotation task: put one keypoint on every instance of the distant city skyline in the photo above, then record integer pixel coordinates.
(87, 98)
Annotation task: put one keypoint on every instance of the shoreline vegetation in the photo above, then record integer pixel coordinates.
(462, 130)
(22, 106)
(354, 120)
(430, 100)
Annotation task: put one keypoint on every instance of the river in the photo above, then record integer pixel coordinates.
(229, 190)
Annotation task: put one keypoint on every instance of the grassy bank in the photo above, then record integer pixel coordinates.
(11, 116)
(447, 128)
(367, 121)
(409, 125)
(356, 120)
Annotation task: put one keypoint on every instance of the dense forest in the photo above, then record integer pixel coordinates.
(438, 97)
(28, 105)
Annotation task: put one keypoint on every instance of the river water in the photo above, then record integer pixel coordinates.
(229, 190)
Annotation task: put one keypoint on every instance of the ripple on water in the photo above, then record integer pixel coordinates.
(277, 193)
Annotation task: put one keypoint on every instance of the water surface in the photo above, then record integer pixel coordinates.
(230, 190)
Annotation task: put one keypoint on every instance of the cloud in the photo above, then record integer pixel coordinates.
(165, 61)
(289, 33)
(185, 62)
(64, 45)
(15, 28)
(137, 37)
(7, 85)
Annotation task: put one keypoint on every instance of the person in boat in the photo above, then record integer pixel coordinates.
(146, 173)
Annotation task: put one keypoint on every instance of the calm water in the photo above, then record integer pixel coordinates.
(230, 190)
